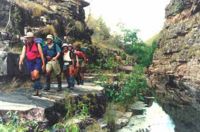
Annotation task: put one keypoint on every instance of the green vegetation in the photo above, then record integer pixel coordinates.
(94, 128)
(134, 46)
(127, 88)
(110, 117)
(37, 9)
(75, 112)
(15, 124)
(102, 37)
(153, 39)
(134, 86)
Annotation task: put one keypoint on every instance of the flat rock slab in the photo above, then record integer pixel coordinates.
(51, 105)
(127, 69)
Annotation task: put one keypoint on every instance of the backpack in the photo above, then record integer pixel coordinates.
(81, 55)
(40, 41)
(32, 51)
(58, 41)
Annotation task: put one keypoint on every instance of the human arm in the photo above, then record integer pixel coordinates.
(42, 56)
(58, 50)
(22, 56)
(77, 61)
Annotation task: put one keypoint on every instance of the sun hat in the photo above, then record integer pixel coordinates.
(29, 35)
(50, 36)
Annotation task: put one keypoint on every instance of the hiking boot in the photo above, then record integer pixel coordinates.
(47, 88)
(77, 80)
(48, 83)
(59, 88)
(59, 83)
(36, 93)
(81, 82)
(70, 87)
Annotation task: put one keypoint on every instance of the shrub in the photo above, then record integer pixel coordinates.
(134, 46)
(94, 128)
(110, 63)
(49, 29)
(37, 9)
(134, 87)
(110, 117)
(79, 26)
(15, 124)
(143, 53)
(128, 88)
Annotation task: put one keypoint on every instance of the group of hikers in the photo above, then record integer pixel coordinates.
(47, 59)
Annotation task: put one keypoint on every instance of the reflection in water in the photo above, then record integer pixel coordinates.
(153, 120)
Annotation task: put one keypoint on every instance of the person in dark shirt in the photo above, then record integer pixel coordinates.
(52, 53)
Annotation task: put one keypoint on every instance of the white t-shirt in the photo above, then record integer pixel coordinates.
(66, 56)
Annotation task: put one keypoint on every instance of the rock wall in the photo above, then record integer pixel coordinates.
(175, 72)
(58, 17)
(9, 67)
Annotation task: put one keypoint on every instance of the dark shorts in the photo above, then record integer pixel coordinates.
(66, 65)
(34, 65)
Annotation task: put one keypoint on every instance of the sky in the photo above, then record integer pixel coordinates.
(147, 16)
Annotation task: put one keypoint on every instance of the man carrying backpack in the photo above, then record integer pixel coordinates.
(52, 53)
(34, 60)
(82, 60)
(69, 58)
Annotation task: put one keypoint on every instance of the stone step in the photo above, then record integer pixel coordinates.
(138, 108)
(52, 105)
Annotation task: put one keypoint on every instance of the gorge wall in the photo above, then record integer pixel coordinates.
(58, 17)
(175, 72)
(176, 62)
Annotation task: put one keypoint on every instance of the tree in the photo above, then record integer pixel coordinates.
(101, 30)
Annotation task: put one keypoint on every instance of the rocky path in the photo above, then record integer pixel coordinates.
(51, 106)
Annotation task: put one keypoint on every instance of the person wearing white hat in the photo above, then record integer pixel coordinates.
(52, 53)
(34, 60)
(69, 64)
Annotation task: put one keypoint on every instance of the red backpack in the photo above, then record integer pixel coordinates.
(81, 55)
(32, 51)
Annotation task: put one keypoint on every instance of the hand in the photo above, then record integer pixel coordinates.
(77, 64)
(20, 65)
(54, 58)
(43, 67)
(86, 61)
(48, 58)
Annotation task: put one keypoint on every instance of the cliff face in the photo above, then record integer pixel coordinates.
(58, 17)
(175, 72)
